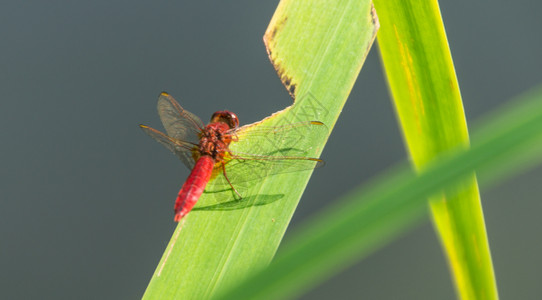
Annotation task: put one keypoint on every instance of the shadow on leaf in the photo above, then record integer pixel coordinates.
(235, 204)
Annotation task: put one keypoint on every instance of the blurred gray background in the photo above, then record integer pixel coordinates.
(86, 197)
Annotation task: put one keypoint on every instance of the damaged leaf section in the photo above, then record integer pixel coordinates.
(286, 80)
(317, 51)
(275, 28)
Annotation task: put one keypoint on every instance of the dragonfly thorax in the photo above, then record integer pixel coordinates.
(214, 140)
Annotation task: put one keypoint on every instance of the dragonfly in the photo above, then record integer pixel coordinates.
(210, 150)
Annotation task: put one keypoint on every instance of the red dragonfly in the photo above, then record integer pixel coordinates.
(208, 150)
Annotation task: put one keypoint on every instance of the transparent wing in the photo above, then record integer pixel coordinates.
(247, 169)
(179, 123)
(183, 129)
(291, 140)
(273, 150)
(182, 149)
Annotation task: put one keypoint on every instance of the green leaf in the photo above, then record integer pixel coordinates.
(422, 80)
(370, 216)
(318, 50)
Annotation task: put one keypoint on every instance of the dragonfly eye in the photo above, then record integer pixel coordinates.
(227, 117)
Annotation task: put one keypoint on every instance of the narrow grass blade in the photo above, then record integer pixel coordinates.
(373, 215)
(422, 80)
(318, 50)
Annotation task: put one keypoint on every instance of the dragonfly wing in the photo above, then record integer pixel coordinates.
(250, 168)
(273, 150)
(178, 122)
(242, 171)
(182, 149)
(292, 140)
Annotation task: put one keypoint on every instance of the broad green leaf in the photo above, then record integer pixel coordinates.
(422, 80)
(318, 50)
(371, 216)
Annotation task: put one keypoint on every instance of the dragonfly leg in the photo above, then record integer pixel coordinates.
(227, 179)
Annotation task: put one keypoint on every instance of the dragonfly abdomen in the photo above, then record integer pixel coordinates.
(194, 186)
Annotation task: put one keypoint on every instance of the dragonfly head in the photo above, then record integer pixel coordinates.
(226, 117)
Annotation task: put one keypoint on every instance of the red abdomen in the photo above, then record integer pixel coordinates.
(194, 186)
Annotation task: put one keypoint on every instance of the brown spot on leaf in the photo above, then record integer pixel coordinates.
(271, 33)
(269, 41)
(284, 78)
(278, 27)
(374, 18)
(287, 81)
